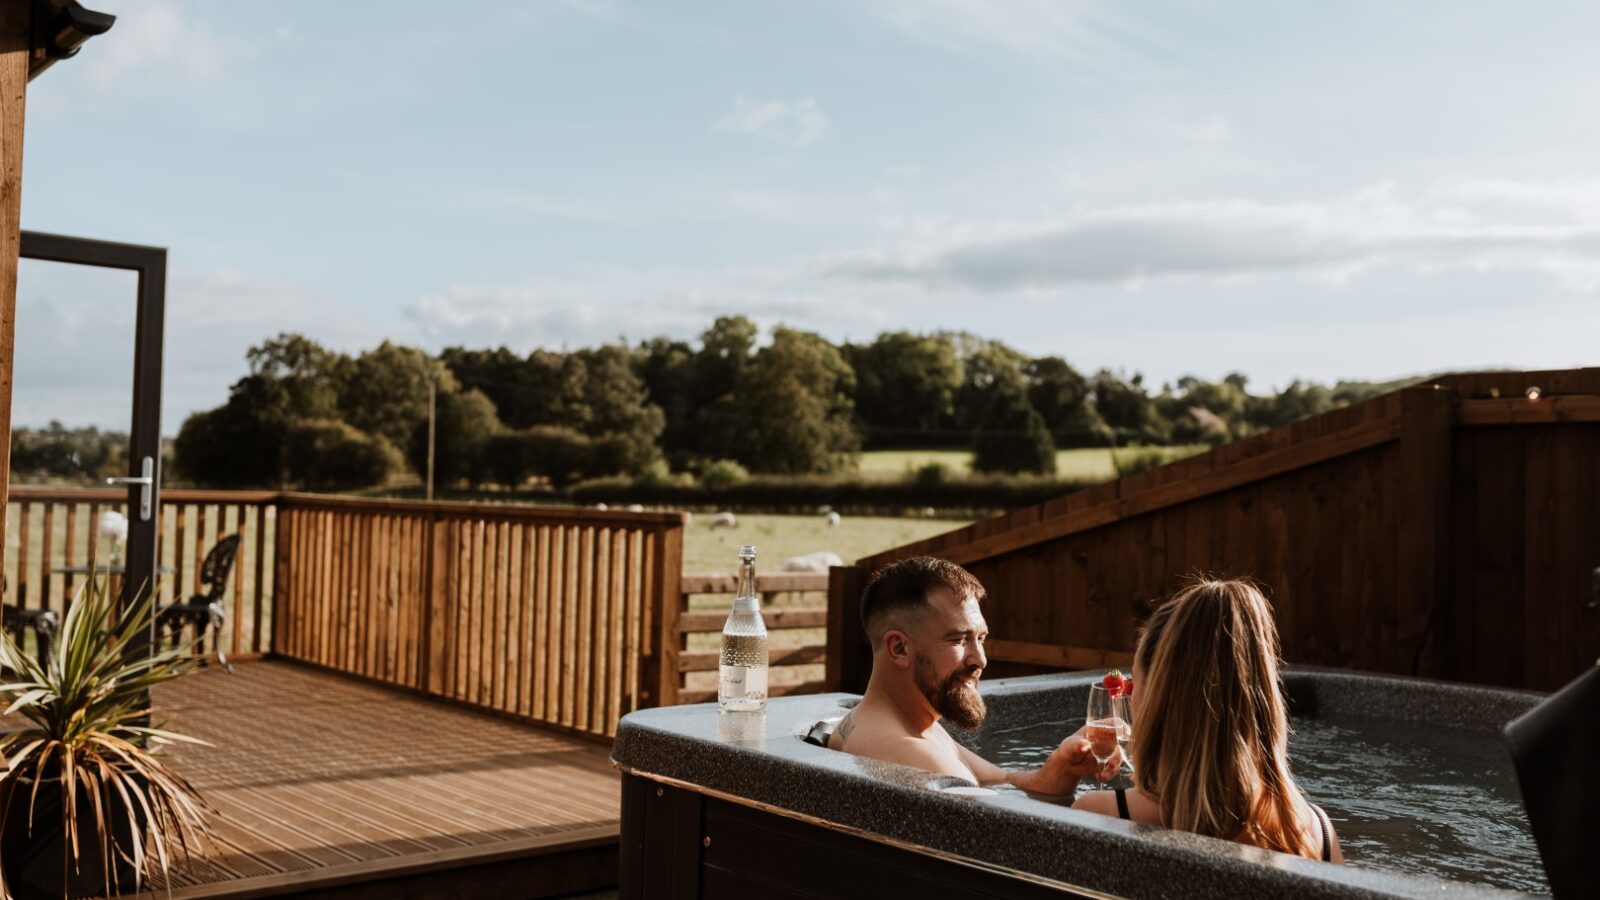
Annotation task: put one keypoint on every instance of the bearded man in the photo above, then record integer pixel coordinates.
(924, 619)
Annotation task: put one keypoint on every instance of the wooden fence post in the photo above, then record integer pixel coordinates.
(436, 564)
(849, 662)
(13, 92)
(282, 592)
(660, 670)
(1423, 599)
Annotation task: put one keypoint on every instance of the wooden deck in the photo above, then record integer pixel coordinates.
(328, 787)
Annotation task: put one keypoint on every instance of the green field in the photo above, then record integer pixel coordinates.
(707, 549)
(1083, 464)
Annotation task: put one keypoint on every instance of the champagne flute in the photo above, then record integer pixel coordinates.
(1106, 723)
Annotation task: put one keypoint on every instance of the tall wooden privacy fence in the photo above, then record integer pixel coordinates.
(553, 616)
(1450, 530)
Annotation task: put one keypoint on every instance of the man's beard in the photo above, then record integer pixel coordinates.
(955, 700)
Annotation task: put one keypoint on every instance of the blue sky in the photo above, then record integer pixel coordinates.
(1289, 190)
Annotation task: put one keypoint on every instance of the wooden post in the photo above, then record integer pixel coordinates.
(849, 660)
(283, 595)
(435, 604)
(13, 94)
(1422, 592)
(660, 674)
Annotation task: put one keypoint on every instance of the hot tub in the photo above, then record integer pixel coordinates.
(737, 804)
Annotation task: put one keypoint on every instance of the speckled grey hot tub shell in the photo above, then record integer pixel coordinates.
(759, 758)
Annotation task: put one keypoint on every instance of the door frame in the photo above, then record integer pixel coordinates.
(144, 434)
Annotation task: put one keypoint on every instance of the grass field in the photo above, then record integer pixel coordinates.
(777, 538)
(1083, 464)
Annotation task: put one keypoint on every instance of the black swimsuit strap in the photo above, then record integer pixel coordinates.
(1122, 803)
(1327, 833)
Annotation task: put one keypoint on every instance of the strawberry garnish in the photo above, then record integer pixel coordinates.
(1127, 686)
(1114, 682)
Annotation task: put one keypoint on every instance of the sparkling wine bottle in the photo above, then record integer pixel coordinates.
(742, 676)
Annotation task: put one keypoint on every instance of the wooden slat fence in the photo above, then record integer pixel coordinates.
(545, 615)
(1450, 529)
(51, 529)
(794, 607)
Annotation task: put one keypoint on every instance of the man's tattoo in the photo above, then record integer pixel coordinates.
(846, 725)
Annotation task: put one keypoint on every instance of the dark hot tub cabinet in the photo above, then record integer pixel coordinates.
(731, 805)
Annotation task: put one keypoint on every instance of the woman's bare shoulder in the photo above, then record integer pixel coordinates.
(1102, 802)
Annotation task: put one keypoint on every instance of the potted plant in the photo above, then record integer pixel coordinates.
(86, 808)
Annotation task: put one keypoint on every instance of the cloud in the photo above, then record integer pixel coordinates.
(798, 124)
(75, 332)
(606, 307)
(1229, 239)
(158, 40)
(1075, 30)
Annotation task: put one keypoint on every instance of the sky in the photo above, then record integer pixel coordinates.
(1283, 189)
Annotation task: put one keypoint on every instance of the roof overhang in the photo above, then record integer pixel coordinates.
(59, 28)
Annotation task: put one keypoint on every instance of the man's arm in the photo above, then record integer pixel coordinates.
(1059, 775)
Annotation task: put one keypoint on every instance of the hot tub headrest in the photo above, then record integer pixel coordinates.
(1554, 747)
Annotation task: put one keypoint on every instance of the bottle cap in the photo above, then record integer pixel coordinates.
(748, 551)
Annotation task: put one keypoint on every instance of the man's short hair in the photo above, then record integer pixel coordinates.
(907, 585)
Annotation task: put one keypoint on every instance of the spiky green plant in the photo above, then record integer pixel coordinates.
(88, 735)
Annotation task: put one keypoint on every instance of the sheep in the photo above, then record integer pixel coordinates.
(635, 507)
(724, 520)
(824, 509)
(929, 512)
(601, 506)
(812, 562)
(832, 519)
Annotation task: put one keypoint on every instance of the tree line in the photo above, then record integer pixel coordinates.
(798, 404)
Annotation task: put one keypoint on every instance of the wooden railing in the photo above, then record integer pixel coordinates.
(52, 529)
(553, 616)
(546, 615)
(794, 607)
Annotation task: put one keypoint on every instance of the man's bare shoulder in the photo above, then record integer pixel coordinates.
(882, 737)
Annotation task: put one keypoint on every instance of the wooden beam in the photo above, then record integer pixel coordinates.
(708, 660)
(774, 618)
(520, 512)
(848, 663)
(661, 673)
(1056, 656)
(13, 106)
(1267, 465)
(1547, 410)
(1427, 425)
(766, 582)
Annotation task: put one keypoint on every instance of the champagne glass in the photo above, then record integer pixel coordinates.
(1106, 723)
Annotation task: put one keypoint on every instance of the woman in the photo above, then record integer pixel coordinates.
(1210, 740)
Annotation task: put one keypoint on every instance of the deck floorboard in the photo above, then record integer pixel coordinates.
(319, 781)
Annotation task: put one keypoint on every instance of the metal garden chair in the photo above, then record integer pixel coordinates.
(44, 623)
(205, 611)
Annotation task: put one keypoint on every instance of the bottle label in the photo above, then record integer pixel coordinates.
(743, 682)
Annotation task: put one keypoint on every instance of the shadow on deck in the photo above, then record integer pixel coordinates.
(328, 787)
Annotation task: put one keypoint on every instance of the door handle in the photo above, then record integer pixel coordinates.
(147, 485)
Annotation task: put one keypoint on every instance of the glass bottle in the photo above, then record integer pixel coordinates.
(742, 675)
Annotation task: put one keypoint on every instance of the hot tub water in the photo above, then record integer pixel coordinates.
(1408, 797)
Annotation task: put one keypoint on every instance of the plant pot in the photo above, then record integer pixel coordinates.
(34, 860)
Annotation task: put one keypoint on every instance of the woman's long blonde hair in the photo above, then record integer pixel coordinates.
(1211, 742)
